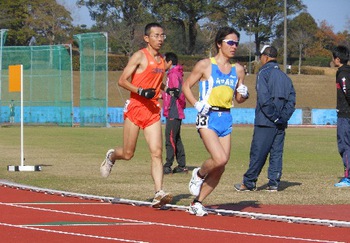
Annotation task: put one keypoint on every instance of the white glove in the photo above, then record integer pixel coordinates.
(202, 107)
(243, 90)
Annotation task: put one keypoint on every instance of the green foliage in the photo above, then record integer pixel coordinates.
(45, 19)
(307, 71)
(301, 32)
(317, 61)
(186, 14)
(259, 17)
(190, 25)
(121, 19)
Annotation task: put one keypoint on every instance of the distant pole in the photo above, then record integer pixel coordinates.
(250, 50)
(285, 38)
(2, 41)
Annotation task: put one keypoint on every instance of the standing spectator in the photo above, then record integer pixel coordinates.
(12, 111)
(146, 70)
(340, 59)
(274, 107)
(173, 110)
(218, 81)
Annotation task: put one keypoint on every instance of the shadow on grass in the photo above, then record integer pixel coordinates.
(178, 198)
(253, 204)
(283, 185)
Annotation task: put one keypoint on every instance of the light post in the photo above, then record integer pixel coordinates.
(250, 49)
(285, 38)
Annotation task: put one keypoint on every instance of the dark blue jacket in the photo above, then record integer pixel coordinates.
(275, 97)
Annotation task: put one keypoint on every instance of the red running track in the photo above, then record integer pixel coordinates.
(28, 216)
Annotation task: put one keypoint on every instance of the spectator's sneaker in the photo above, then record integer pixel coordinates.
(197, 209)
(344, 182)
(107, 164)
(195, 183)
(243, 188)
(167, 170)
(161, 198)
(179, 169)
(272, 188)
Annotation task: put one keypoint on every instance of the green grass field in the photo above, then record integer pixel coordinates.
(70, 160)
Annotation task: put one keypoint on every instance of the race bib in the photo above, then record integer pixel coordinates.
(202, 121)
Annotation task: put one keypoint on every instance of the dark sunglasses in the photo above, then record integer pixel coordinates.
(231, 42)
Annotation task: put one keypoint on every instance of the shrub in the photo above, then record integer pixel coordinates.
(307, 70)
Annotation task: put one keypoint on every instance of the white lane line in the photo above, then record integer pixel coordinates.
(70, 224)
(170, 225)
(56, 203)
(260, 216)
(71, 233)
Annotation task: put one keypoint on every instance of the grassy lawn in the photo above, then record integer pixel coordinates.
(70, 160)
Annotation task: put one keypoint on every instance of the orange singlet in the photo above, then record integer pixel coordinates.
(141, 111)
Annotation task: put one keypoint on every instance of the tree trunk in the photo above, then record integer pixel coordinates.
(192, 36)
(300, 52)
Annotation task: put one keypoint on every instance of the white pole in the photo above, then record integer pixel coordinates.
(22, 117)
(22, 167)
(285, 38)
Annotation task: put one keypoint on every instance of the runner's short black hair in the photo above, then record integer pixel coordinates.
(341, 52)
(149, 26)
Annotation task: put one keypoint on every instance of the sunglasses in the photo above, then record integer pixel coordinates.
(231, 42)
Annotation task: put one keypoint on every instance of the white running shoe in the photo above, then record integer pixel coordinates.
(195, 183)
(197, 209)
(107, 164)
(161, 198)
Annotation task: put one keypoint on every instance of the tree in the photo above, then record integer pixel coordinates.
(185, 14)
(122, 19)
(301, 32)
(12, 17)
(324, 41)
(48, 21)
(261, 17)
(51, 22)
(343, 38)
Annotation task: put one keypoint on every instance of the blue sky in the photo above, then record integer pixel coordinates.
(335, 12)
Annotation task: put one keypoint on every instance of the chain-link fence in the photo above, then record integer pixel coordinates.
(47, 85)
(93, 48)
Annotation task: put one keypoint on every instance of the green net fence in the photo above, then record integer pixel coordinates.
(47, 85)
(93, 48)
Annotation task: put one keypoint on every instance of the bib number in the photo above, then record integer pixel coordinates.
(202, 121)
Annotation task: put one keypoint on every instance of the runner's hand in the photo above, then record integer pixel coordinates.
(173, 92)
(243, 90)
(202, 107)
(147, 93)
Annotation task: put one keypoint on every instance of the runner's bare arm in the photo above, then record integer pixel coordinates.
(135, 64)
(241, 76)
(199, 72)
